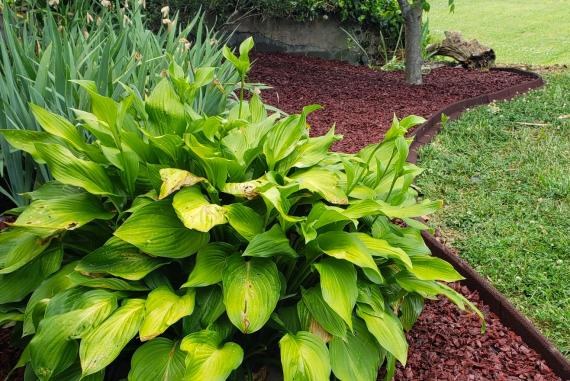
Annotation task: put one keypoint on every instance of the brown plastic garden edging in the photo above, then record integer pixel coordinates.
(498, 303)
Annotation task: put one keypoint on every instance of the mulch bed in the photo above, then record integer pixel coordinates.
(447, 344)
(361, 101)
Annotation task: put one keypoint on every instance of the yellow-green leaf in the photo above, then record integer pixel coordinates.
(304, 357)
(347, 246)
(196, 212)
(174, 179)
(68, 169)
(338, 286)
(210, 263)
(387, 329)
(158, 360)
(251, 291)
(67, 213)
(120, 259)
(164, 308)
(155, 229)
(103, 344)
(208, 359)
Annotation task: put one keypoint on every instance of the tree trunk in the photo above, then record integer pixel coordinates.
(413, 20)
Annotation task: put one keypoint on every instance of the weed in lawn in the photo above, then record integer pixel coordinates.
(503, 171)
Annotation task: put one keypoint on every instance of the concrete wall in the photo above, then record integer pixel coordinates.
(321, 38)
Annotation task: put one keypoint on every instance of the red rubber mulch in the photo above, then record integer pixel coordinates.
(446, 344)
(362, 101)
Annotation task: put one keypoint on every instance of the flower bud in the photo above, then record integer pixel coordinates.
(165, 10)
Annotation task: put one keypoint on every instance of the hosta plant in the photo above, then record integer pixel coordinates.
(179, 246)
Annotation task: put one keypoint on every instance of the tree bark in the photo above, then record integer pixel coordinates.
(413, 27)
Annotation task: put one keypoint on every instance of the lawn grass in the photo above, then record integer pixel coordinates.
(504, 173)
(520, 31)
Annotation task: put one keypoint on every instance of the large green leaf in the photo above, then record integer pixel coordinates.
(313, 151)
(68, 213)
(54, 341)
(165, 109)
(356, 357)
(208, 359)
(59, 126)
(429, 288)
(18, 247)
(210, 263)
(283, 139)
(155, 229)
(319, 310)
(278, 198)
(53, 190)
(196, 212)
(411, 308)
(304, 357)
(431, 268)
(158, 360)
(387, 329)
(251, 291)
(270, 243)
(374, 207)
(46, 289)
(174, 179)
(68, 169)
(382, 248)
(26, 141)
(16, 285)
(163, 309)
(120, 259)
(100, 346)
(210, 305)
(347, 246)
(338, 286)
(246, 221)
(323, 182)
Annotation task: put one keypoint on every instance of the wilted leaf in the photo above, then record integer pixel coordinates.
(196, 212)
